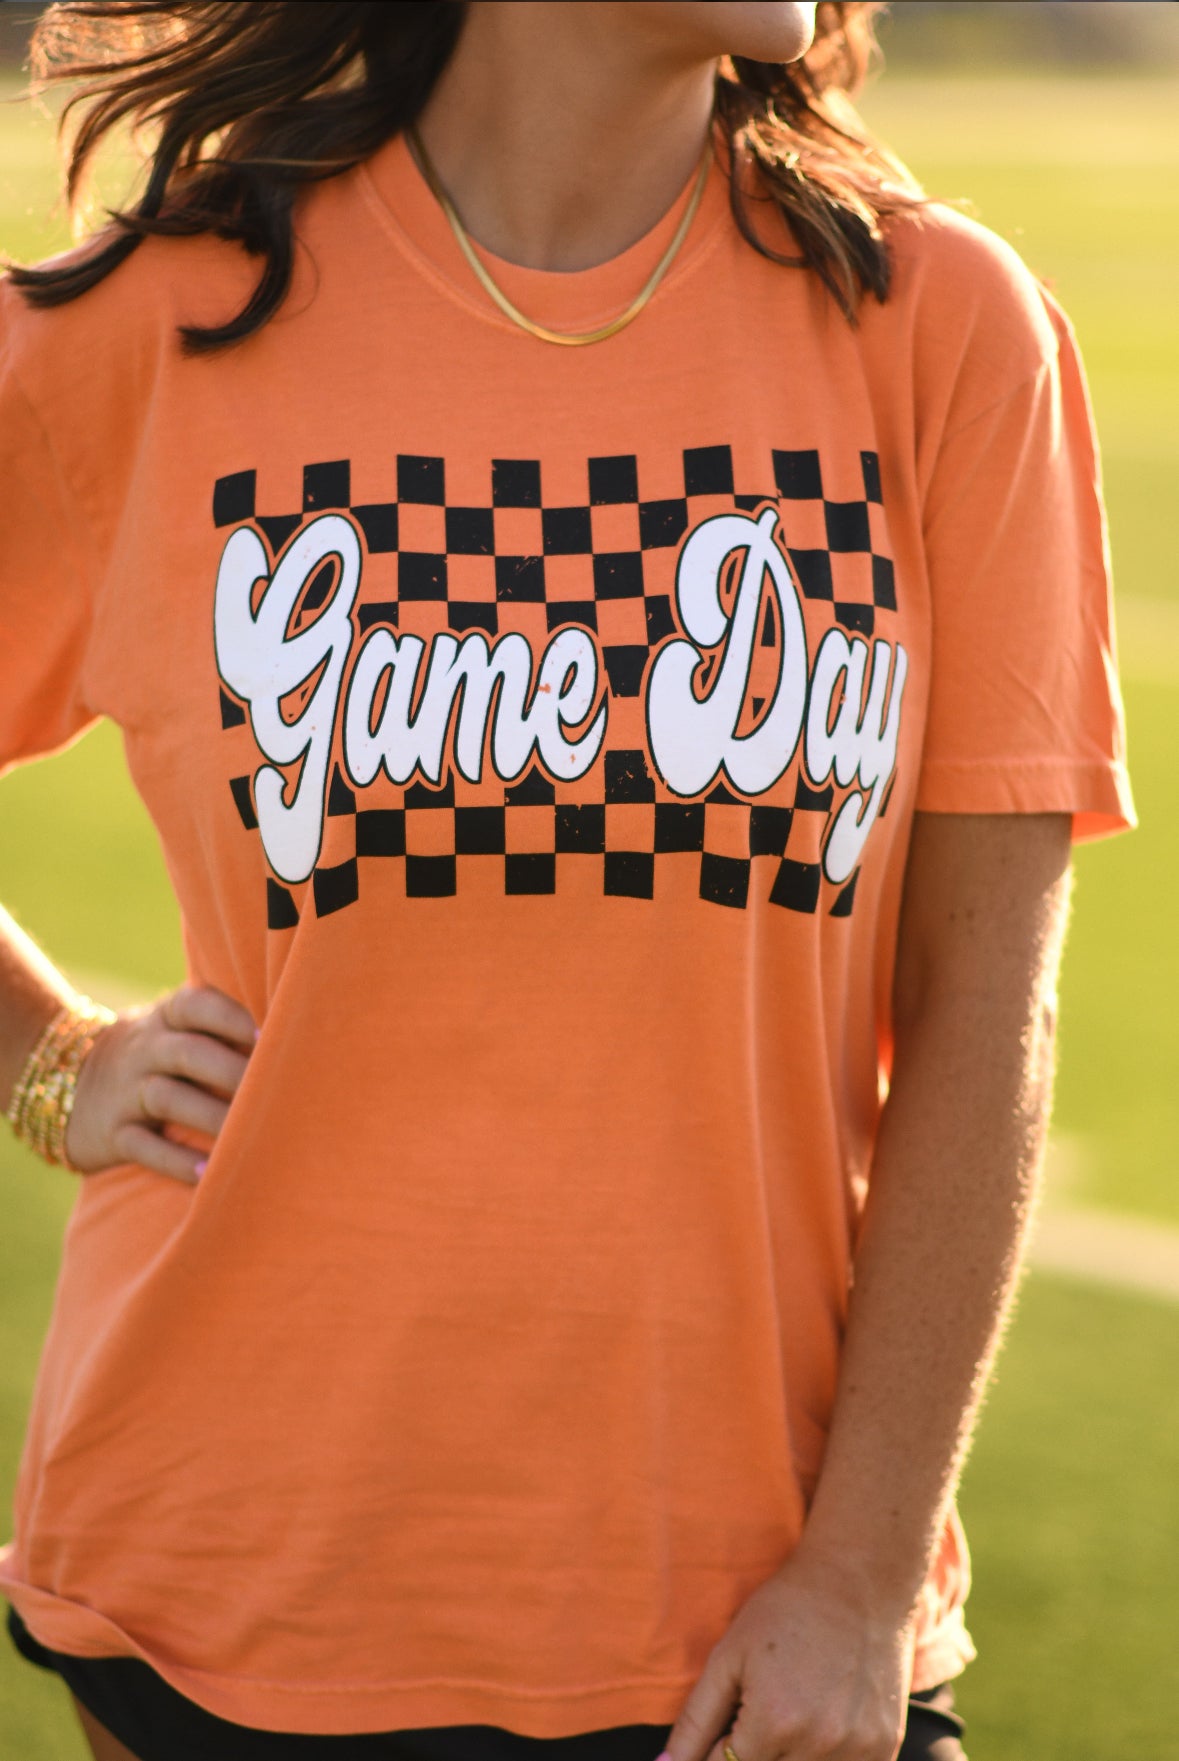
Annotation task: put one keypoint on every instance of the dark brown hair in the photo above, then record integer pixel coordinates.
(248, 102)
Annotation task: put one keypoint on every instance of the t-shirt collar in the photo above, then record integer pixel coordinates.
(563, 300)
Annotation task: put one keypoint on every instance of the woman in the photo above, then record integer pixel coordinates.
(605, 594)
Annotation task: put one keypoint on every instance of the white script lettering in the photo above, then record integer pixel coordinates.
(861, 747)
(405, 702)
(477, 685)
(693, 739)
(263, 664)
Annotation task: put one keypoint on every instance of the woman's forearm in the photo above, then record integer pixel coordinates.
(952, 1190)
(32, 990)
(952, 1187)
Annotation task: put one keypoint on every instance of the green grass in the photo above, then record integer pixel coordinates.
(1069, 1505)
(1074, 1606)
(28, 177)
(82, 868)
(1119, 1022)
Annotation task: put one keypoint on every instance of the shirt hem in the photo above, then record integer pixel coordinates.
(316, 1710)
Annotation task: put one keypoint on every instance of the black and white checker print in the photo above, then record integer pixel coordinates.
(472, 577)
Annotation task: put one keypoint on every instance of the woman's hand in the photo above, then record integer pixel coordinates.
(179, 1063)
(809, 1670)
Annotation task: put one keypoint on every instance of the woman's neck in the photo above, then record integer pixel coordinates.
(560, 133)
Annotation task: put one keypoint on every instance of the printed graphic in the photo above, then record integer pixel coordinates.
(573, 699)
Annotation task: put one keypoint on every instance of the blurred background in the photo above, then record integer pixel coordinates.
(1058, 125)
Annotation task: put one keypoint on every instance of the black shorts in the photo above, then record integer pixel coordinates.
(158, 1724)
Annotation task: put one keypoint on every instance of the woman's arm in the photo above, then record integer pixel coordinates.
(179, 1062)
(31, 993)
(819, 1659)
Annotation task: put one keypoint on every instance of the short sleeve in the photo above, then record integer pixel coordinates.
(1025, 713)
(45, 595)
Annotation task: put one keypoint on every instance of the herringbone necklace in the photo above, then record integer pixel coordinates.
(565, 339)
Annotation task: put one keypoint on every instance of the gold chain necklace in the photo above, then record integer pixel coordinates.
(513, 312)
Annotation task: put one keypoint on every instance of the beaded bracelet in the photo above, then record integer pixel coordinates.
(43, 1099)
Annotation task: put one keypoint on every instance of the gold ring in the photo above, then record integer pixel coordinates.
(730, 1754)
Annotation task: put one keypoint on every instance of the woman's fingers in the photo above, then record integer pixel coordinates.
(203, 1009)
(166, 1101)
(707, 1712)
(150, 1149)
(199, 1059)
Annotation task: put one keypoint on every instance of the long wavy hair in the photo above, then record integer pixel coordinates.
(245, 103)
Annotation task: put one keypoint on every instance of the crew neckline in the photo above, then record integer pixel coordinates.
(556, 298)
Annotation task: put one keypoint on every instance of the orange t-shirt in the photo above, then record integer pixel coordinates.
(533, 735)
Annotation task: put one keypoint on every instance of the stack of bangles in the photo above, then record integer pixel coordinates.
(43, 1099)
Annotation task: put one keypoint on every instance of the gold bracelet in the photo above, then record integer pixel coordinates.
(43, 1099)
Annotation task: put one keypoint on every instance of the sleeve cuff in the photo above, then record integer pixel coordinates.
(1095, 792)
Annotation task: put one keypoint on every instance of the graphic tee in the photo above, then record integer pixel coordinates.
(533, 736)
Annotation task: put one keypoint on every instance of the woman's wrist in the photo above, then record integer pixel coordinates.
(42, 1100)
(864, 1569)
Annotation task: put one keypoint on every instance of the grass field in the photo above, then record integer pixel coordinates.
(1066, 1497)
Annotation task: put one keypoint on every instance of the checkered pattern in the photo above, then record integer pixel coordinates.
(608, 565)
